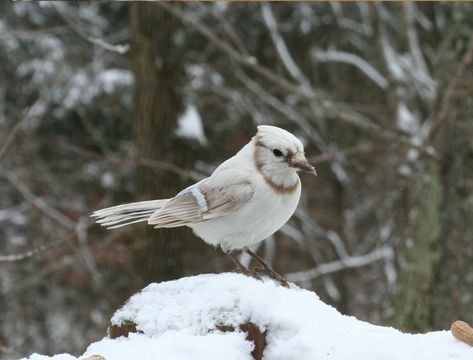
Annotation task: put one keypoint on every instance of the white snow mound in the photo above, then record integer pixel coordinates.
(179, 319)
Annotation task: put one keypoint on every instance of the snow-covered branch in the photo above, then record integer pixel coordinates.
(348, 262)
(283, 108)
(413, 38)
(353, 59)
(332, 108)
(283, 50)
(119, 49)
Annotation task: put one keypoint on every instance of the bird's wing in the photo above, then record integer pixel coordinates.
(210, 198)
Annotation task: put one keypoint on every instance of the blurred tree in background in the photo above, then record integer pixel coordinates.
(103, 103)
(158, 67)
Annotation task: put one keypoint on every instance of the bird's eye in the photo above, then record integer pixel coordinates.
(277, 152)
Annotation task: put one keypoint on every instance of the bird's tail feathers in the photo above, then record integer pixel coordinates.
(126, 214)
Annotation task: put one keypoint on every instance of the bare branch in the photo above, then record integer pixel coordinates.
(413, 38)
(452, 84)
(232, 34)
(12, 133)
(248, 61)
(81, 230)
(282, 49)
(160, 165)
(119, 49)
(296, 73)
(334, 109)
(39, 202)
(313, 229)
(362, 149)
(352, 59)
(349, 262)
(281, 107)
(316, 255)
(30, 253)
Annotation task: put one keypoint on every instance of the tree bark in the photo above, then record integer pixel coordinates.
(158, 66)
(436, 282)
(413, 305)
(454, 294)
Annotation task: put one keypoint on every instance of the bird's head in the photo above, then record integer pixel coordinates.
(278, 156)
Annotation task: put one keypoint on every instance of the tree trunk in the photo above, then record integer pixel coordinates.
(158, 65)
(454, 292)
(437, 281)
(413, 305)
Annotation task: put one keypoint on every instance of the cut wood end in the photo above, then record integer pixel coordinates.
(253, 334)
(115, 331)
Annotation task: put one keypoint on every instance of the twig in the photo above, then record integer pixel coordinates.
(413, 37)
(351, 151)
(231, 33)
(336, 110)
(452, 84)
(12, 133)
(352, 59)
(30, 253)
(296, 73)
(39, 202)
(283, 51)
(313, 229)
(350, 262)
(161, 165)
(248, 61)
(359, 121)
(281, 107)
(81, 230)
(119, 49)
(317, 257)
(10, 136)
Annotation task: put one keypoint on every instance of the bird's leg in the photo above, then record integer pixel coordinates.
(242, 268)
(268, 269)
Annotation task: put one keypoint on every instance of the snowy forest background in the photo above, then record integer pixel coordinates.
(104, 102)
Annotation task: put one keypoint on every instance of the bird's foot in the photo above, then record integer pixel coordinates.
(268, 270)
(241, 268)
(251, 273)
(273, 275)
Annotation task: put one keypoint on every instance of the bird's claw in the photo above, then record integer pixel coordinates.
(259, 270)
(273, 275)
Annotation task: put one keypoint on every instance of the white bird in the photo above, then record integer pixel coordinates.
(245, 200)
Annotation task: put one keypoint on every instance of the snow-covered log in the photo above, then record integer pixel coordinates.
(223, 317)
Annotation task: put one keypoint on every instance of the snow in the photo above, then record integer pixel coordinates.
(55, 357)
(179, 319)
(406, 120)
(113, 78)
(190, 125)
(175, 345)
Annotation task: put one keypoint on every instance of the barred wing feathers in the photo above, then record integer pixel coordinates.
(205, 200)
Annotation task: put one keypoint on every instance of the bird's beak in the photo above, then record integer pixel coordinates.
(300, 162)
